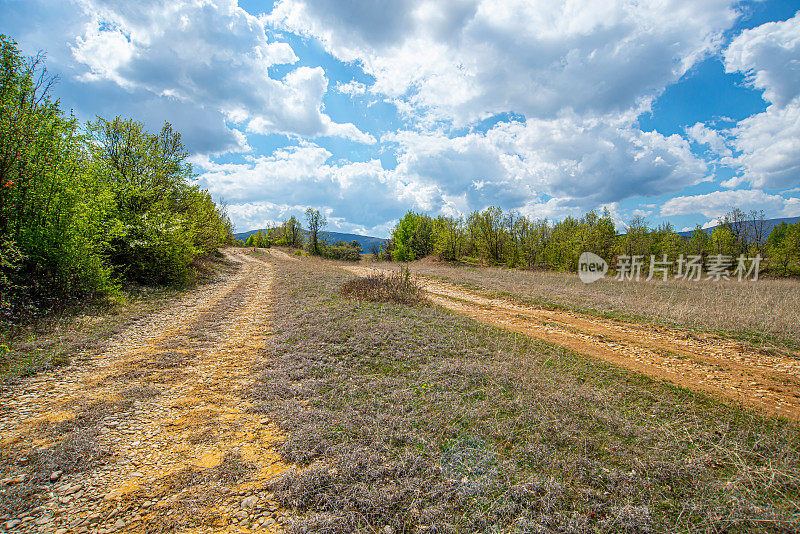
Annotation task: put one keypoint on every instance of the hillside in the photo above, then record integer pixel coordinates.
(769, 224)
(366, 242)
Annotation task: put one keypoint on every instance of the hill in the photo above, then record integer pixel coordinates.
(769, 224)
(366, 242)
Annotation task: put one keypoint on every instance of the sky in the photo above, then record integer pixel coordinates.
(672, 110)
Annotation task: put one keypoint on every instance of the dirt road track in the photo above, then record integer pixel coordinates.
(699, 362)
(166, 405)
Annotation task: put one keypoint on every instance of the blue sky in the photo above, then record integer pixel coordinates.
(673, 110)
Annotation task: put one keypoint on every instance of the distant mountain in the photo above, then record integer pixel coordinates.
(769, 224)
(366, 242)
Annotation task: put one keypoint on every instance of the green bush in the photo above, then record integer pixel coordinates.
(82, 209)
(341, 251)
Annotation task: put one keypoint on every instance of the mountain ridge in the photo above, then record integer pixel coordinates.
(365, 241)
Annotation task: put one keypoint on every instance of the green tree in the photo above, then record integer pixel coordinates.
(316, 222)
(292, 233)
(699, 243)
(161, 223)
(448, 237)
(783, 246)
(490, 231)
(724, 241)
(52, 205)
(403, 238)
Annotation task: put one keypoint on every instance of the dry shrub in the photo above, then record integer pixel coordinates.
(398, 287)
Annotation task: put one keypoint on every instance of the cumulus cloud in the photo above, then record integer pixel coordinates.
(718, 203)
(769, 55)
(211, 54)
(462, 60)
(716, 142)
(362, 193)
(547, 168)
(768, 143)
(583, 161)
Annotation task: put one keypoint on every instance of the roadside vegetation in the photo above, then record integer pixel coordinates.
(88, 211)
(495, 237)
(420, 420)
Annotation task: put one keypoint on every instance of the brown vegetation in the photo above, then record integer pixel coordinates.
(425, 421)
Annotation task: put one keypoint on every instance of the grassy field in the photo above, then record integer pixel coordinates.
(766, 310)
(415, 418)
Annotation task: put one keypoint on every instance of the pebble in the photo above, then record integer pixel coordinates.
(133, 437)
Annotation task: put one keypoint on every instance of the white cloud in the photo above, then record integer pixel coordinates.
(352, 88)
(718, 203)
(212, 55)
(584, 162)
(362, 193)
(702, 134)
(466, 59)
(770, 57)
(769, 143)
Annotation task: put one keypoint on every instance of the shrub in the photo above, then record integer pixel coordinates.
(341, 251)
(399, 287)
(80, 207)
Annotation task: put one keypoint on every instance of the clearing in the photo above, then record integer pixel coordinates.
(265, 401)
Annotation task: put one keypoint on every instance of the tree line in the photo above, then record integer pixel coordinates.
(291, 234)
(495, 237)
(87, 207)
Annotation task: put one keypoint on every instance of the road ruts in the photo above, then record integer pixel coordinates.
(163, 413)
(704, 363)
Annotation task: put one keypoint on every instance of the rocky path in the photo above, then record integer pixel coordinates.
(154, 434)
(705, 363)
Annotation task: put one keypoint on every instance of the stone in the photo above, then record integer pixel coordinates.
(13, 523)
(119, 524)
(74, 488)
(250, 502)
(55, 475)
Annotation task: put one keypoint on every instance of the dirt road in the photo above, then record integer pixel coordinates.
(154, 432)
(700, 362)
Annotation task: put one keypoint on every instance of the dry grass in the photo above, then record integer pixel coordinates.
(425, 421)
(399, 287)
(765, 309)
